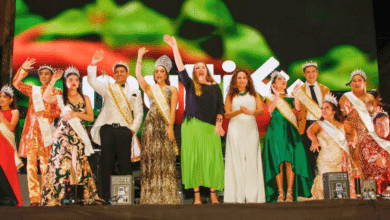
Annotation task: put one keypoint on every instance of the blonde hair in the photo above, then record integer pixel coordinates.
(198, 87)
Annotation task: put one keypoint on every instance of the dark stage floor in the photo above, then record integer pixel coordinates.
(316, 210)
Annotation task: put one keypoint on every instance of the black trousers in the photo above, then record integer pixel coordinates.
(116, 147)
(311, 156)
(7, 196)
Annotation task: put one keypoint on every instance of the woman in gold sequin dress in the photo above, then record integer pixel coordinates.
(158, 148)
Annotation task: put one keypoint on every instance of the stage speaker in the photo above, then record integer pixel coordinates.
(122, 190)
(336, 185)
(74, 194)
(369, 185)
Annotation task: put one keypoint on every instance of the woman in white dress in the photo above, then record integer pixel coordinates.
(244, 182)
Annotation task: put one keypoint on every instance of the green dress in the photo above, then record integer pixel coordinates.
(283, 143)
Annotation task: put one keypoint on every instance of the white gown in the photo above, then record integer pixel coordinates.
(244, 181)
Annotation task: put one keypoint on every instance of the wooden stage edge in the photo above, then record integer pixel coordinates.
(317, 210)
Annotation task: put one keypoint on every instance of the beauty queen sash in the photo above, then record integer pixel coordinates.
(44, 124)
(75, 123)
(336, 134)
(123, 105)
(163, 106)
(310, 104)
(10, 137)
(285, 109)
(366, 118)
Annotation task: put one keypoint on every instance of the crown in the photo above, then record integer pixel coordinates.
(274, 74)
(310, 63)
(7, 90)
(120, 63)
(331, 99)
(164, 61)
(381, 112)
(359, 72)
(46, 67)
(71, 69)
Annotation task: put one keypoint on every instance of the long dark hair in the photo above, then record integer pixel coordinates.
(166, 80)
(12, 105)
(233, 89)
(65, 92)
(338, 115)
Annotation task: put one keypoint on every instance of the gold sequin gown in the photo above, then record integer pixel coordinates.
(158, 170)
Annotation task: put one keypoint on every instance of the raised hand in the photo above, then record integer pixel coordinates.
(97, 57)
(170, 40)
(297, 86)
(348, 107)
(276, 93)
(27, 65)
(142, 51)
(57, 74)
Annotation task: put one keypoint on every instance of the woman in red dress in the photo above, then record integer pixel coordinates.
(9, 161)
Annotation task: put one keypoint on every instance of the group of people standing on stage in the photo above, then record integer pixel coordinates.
(310, 133)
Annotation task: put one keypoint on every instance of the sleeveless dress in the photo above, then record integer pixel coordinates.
(331, 158)
(158, 170)
(244, 180)
(9, 181)
(284, 144)
(67, 162)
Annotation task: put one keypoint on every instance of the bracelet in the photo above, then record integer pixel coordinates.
(219, 120)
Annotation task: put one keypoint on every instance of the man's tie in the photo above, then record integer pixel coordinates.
(313, 94)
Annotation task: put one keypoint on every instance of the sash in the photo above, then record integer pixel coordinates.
(285, 109)
(10, 137)
(310, 104)
(366, 118)
(75, 123)
(335, 134)
(44, 124)
(123, 106)
(163, 106)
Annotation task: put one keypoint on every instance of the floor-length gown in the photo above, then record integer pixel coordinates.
(8, 173)
(244, 181)
(284, 144)
(67, 162)
(158, 170)
(331, 158)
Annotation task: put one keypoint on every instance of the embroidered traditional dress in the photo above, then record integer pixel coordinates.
(67, 162)
(158, 155)
(8, 172)
(31, 142)
(370, 151)
(284, 144)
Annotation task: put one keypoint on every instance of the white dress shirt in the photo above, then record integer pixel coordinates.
(317, 91)
(110, 113)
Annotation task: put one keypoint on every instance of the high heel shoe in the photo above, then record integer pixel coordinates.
(289, 196)
(281, 196)
(193, 203)
(214, 203)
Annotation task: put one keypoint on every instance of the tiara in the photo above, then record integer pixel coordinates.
(274, 74)
(164, 61)
(7, 90)
(46, 67)
(331, 99)
(120, 63)
(310, 63)
(376, 114)
(70, 70)
(358, 72)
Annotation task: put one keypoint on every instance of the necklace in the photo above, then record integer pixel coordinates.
(242, 93)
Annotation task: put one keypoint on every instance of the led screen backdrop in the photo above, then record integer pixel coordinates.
(339, 35)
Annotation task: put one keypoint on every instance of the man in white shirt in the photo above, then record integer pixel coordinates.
(316, 92)
(116, 125)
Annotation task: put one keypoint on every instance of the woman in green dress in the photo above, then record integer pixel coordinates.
(283, 150)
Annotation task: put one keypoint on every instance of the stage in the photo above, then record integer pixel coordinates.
(318, 210)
